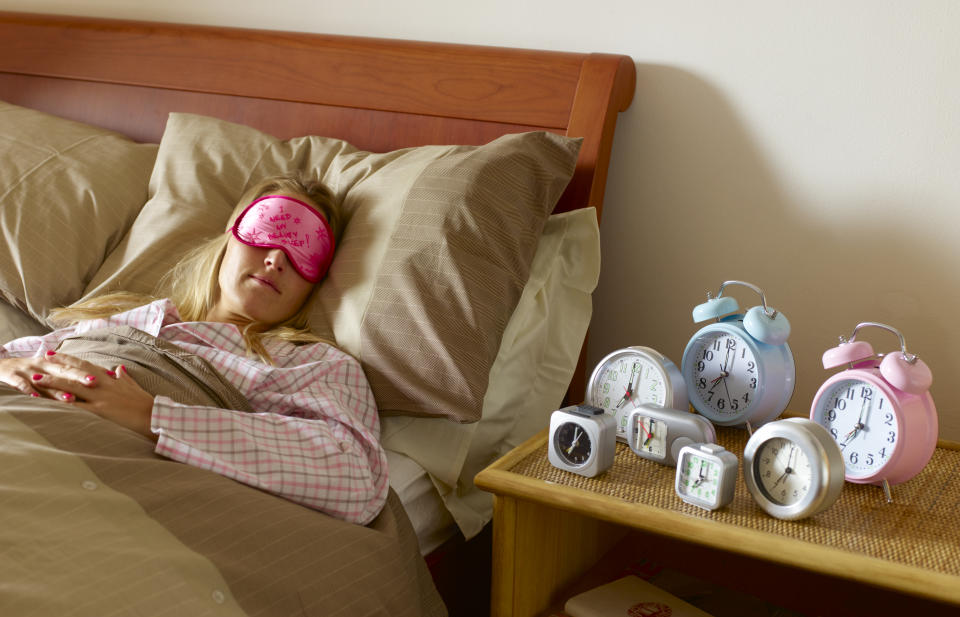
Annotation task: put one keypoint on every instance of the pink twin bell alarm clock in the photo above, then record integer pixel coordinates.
(879, 410)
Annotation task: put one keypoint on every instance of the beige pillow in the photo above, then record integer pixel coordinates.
(68, 192)
(528, 380)
(432, 264)
(15, 323)
(540, 350)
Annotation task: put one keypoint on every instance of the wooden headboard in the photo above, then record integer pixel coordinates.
(378, 94)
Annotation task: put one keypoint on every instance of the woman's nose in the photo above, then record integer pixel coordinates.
(275, 258)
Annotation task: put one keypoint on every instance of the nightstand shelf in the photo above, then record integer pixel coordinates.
(551, 526)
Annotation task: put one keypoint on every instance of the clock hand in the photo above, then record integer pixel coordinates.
(723, 369)
(788, 469)
(866, 416)
(576, 439)
(631, 387)
(791, 460)
(649, 435)
(727, 389)
(635, 386)
(728, 361)
(700, 477)
(856, 427)
(723, 374)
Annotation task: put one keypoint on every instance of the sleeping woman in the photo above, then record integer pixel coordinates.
(220, 368)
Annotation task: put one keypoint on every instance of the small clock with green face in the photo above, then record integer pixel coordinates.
(633, 376)
(706, 475)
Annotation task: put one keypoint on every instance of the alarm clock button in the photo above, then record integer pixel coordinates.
(847, 353)
(711, 448)
(714, 308)
(770, 330)
(913, 378)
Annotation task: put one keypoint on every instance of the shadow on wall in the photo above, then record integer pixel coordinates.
(692, 201)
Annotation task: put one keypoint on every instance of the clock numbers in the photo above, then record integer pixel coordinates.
(857, 415)
(699, 478)
(630, 381)
(651, 436)
(706, 475)
(783, 471)
(573, 443)
(725, 373)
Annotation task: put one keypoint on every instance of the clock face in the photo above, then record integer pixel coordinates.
(699, 478)
(724, 375)
(625, 380)
(651, 436)
(573, 443)
(783, 471)
(862, 421)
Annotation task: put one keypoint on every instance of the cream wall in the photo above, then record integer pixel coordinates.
(811, 148)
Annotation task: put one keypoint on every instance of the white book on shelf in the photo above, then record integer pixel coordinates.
(630, 596)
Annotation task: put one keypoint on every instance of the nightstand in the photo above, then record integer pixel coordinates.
(861, 556)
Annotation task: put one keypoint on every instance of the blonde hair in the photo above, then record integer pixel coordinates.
(193, 285)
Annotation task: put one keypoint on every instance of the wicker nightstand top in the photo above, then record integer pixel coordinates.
(912, 544)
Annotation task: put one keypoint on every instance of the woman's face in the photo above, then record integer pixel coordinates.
(257, 284)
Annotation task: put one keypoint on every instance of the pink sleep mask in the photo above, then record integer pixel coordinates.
(278, 221)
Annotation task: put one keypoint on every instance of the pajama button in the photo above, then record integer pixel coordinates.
(90, 485)
(218, 596)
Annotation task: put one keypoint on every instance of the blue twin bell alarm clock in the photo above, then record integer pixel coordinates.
(739, 370)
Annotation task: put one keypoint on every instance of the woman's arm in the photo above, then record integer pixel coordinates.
(316, 442)
(318, 445)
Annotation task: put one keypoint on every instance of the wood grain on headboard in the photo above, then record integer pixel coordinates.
(378, 94)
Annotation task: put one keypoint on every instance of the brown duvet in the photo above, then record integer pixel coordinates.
(92, 522)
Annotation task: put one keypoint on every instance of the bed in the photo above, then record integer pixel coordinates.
(474, 180)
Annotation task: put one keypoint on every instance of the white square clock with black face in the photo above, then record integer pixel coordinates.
(583, 440)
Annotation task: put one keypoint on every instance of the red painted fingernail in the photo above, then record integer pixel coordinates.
(36, 376)
(90, 379)
(111, 374)
(51, 353)
(123, 368)
(67, 396)
(34, 394)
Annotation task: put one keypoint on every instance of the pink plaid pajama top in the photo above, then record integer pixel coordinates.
(316, 440)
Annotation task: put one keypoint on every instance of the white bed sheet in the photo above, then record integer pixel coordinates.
(431, 520)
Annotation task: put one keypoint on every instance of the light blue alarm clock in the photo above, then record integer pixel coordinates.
(739, 371)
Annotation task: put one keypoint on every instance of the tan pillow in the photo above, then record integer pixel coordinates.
(537, 357)
(432, 264)
(15, 323)
(540, 350)
(68, 192)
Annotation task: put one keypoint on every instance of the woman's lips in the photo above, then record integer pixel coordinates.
(266, 282)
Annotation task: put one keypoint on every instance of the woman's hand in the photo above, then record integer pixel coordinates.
(111, 394)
